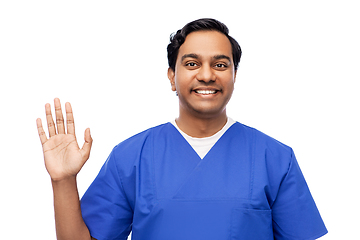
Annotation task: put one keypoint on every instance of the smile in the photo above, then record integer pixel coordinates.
(206, 92)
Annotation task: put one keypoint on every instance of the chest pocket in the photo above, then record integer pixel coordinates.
(251, 224)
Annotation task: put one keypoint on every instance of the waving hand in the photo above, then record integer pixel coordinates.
(62, 155)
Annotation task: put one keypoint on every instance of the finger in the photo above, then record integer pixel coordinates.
(41, 131)
(85, 150)
(59, 117)
(69, 119)
(50, 121)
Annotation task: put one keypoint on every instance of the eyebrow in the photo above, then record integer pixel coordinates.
(218, 57)
(190, 55)
(196, 56)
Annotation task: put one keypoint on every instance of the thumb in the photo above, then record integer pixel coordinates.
(85, 150)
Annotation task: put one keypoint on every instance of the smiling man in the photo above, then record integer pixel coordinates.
(203, 77)
(201, 176)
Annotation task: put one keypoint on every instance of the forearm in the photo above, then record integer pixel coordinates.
(68, 218)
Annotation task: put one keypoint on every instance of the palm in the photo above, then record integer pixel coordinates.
(62, 155)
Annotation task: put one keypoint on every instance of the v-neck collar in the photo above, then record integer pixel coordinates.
(211, 143)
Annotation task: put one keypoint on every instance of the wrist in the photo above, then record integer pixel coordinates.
(66, 181)
(68, 178)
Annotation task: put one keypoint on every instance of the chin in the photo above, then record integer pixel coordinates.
(209, 112)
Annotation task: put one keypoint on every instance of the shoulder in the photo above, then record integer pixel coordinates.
(129, 151)
(263, 142)
(139, 139)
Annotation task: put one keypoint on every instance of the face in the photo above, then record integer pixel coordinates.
(204, 74)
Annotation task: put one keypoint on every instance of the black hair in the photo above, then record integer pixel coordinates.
(178, 38)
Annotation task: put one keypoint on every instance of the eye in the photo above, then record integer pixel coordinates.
(191, 64)
(220, 65)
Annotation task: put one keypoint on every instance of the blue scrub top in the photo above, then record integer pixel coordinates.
(249, 186)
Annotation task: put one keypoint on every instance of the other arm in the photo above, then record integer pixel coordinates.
(63, 161)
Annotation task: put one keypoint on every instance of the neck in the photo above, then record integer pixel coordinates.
(201, 127)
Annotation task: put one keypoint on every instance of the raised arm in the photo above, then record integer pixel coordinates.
(63, 161)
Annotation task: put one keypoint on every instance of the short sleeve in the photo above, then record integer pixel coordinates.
(295, 215)
(105, 208)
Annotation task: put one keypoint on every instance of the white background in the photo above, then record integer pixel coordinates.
(298, 81)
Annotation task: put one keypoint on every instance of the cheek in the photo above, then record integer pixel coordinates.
(183, 80)
(228, 80)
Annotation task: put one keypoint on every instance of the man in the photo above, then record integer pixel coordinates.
(203, 176)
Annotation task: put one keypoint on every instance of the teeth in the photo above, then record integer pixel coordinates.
(205, 91)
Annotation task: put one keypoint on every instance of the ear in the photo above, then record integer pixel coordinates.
(235, 76)
(171, 76)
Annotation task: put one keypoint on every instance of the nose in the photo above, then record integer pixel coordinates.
(206, 74)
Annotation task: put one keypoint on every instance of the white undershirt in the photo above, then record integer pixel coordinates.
(203, 145)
